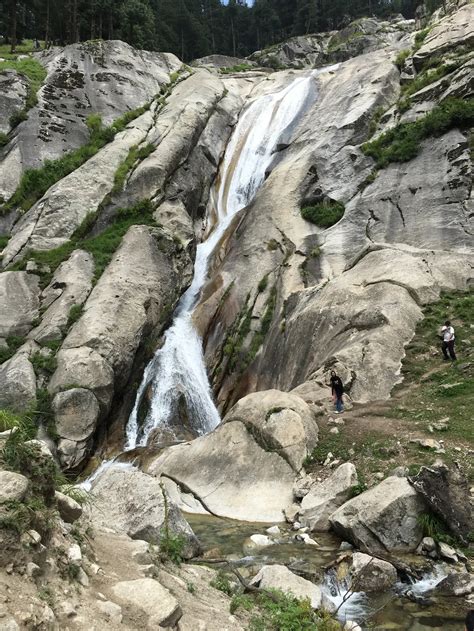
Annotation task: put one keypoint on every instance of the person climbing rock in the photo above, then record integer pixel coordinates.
(447, 346)
(337, 390)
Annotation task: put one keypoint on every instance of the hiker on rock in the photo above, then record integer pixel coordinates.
(447, 333)
(337, 390)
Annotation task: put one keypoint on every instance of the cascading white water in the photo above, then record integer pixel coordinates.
(178, 370)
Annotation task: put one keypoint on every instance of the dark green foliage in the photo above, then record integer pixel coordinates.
(75, 313)
(402, 143)
(222, 583)
(420, 38)
(4, 139)
(429, 76)
(323, 215)
(13, 344)
(237, 68)
(262, 285)
(401, 58)
(35, 182)
(102, 246)
(134, 155)
(43, 364)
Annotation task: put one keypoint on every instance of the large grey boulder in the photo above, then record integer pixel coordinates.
(230, 473)
(70, 286)
(13, 486)
(323, 498)
(446, 492)
(384, 518)
(19, 302)
(281, 578)
(17, 383)
(279, 421)
(100, 77)
(151, 598)
(13, 93)
(133, 502)
(370, 574)
(452, 31)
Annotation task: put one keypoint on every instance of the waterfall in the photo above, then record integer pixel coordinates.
(177, 372)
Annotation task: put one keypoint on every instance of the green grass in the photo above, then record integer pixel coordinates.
(13, 344)
(420, 38)
(43, 364)
(35, 74)
(236, 68)
(35, 182)
(430, 76)
(401, 58)
(222, 583)
(403, 142)
(27, 46)
(135, 154)
(75, 313)
(102, 247)
(325, 214)
(4, 139)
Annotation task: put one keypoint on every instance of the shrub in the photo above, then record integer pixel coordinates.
(262, 285)
(430, 76)
(402, 143)
(75, 313)
(420, 38)
(43, 363)
(17, 117)
(4, 139)
(134, 154)
(325, 214)
(222, 583)
(13, 344)
(401, 58)
(94, 123)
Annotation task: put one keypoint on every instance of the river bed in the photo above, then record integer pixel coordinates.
(387, 611)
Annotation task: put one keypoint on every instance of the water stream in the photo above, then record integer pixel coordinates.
(177, 371)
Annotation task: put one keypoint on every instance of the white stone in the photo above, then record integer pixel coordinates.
(280, 577)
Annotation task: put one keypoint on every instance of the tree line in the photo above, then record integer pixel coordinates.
(188, 28)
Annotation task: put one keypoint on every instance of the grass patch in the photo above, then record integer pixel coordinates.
(43, 364)
(75, 313)
(35, 74)
(420, 38)
(401, 58)
(402, 143)
(135, 154)
(4, 139)
(236, 68)
(35, 182)
(325, 214)
(102, 247)
(430, 76)
(13, 344)
(222, 583)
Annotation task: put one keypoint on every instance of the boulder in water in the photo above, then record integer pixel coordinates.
(281, 578)
(370, 574)
(384, 518)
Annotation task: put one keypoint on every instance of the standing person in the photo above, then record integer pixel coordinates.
(337, 389)
(469, 624)
(447, 346)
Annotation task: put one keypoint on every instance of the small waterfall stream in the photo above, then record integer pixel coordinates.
(177, 372)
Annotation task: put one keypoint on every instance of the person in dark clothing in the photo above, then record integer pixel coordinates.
(447, 333)
(470, 621)
(337, 389)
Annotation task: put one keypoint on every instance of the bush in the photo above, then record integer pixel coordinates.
(222, 583)
(4, 139)
(13, 344)
(402, 143)
(323, 215)
(401, 58)
(134, 155)
(17, 117)
(430, 76)
(420, 38)
(75, 313)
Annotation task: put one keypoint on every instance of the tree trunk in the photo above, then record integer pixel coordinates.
(14, 19)
(233, 36)
(46, 28)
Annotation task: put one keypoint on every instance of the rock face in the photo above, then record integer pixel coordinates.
(19, 303)
(145, 276)
(280, 422)
(13, 486)
(446, 493)
(101, 77)
(230, 474)
(323, 498)
(281, 578)
(132, 502)
(13, 93)
(17, 383)
(384, 518)
(370, 574)
(153, 599)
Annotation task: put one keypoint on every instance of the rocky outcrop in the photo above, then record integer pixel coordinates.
(17, 383)
(13, 486)
(13, 93)
(221, 61)
(107, 78)
(142, 282)
(132, 502)
(230, 474)
(384, 518)
(323, 498)
(69, 287)
(280, 422)
(19, 303)
(446, 492)
(151, 598)
(452, 31)
(281, 578)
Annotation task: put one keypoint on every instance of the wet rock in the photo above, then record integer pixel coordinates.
(325, 497)
(132, 502)
(371, 574)
(261, 540)
(447, 552)
(281, 578)
(446, 493)
(384, 518)
(13, 486)
(455, 584)
(148, 596)
(69, 510)
(278, 420)
(230, 473)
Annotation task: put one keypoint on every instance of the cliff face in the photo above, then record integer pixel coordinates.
(87, 294)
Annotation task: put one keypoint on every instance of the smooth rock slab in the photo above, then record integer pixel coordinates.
(17, 383)
(280, 577)
(13, 486)
(76, 412)
(148, 595)
(325, 497)
(19, 302)
(230, 474)
(384, 518)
